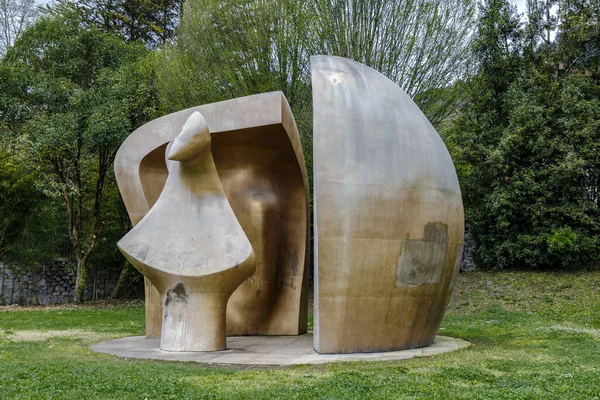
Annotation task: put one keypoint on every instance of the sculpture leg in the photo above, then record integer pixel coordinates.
(193, 321)
(153, 309)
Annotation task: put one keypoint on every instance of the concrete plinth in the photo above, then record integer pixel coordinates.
(266, 350)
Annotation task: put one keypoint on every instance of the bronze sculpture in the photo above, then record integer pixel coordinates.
(388, 214)
(259, 160)
(191, 245)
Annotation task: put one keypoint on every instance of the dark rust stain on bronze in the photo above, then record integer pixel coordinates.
(176, 294)
(436, 231)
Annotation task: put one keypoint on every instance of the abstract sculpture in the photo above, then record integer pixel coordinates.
(191, 246)
(388, 218)
(260, 165)
(388, 215)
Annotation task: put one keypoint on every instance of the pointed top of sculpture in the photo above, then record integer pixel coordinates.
(191, 229)
(192, 141)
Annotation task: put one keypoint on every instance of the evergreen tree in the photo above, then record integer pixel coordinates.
(71, 95)
(150, 21)
(526, 143)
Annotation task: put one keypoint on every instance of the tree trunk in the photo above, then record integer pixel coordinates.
(80, 281)
(119, 283)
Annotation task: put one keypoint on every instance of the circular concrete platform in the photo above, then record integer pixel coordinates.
(266, 350)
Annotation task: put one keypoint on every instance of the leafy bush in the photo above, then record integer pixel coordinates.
(526, 146)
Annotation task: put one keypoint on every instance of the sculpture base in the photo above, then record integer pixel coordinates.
(193, 321)
(266, 350)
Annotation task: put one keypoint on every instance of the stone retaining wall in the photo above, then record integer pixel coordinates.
(52, 283)
(467, 260)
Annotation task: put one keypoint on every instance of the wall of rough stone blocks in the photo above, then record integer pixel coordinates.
(52, 283)
(467, 260)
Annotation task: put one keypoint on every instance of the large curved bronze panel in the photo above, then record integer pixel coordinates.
(388, 214)
(259, 160)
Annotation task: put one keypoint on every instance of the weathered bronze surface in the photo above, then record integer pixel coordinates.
(260, 164)
(389, 219)
(191, 246)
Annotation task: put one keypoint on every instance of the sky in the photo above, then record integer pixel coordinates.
(521, 5)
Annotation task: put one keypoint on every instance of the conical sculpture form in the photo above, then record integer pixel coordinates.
(388, 214)
(256, 148)
(191, 246)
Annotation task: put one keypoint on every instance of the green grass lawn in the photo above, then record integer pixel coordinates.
(535, 336)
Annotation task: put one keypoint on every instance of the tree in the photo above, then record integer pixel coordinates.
(71, 95)
(15, 17)
(31, 230)
(526, 144)
(17, 198)
(240, 47)
(579, 35)
(151, 21)
(422, 45)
